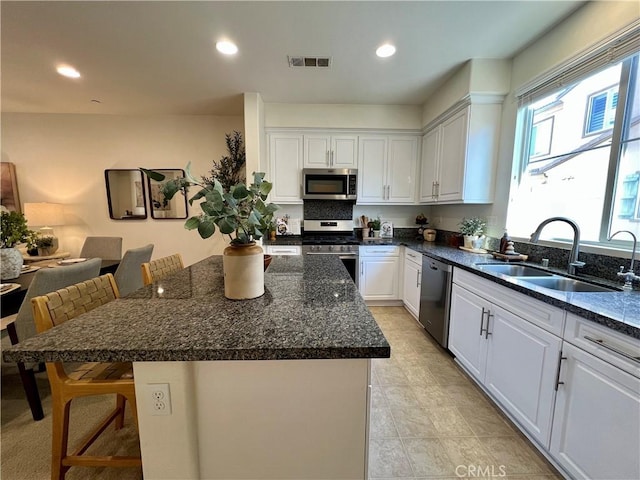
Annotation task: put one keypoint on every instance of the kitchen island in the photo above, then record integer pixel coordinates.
(274, 387)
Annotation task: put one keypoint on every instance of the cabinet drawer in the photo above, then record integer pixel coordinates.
(413, 256)
(536, 311)
(379, 250)
(616, 348)
(283, 250)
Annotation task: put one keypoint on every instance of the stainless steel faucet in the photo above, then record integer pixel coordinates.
(630, 275)
(573, 262)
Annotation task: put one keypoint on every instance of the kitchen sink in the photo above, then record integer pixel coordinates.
(513, 270)
(565, 284)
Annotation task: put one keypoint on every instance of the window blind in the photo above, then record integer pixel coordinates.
(608, 52)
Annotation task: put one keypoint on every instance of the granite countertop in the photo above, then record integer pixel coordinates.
(310, 310)
(617, 310)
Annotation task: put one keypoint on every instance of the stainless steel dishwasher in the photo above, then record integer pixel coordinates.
(435, 297)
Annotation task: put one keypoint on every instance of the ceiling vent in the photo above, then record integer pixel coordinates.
(300, 61)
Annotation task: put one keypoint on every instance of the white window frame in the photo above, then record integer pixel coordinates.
(610, 51)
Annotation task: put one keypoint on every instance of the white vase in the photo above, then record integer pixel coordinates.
(376, 234)
(10, 263)
(468, 240)
(243, 267)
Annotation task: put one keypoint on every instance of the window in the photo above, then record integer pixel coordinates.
(580, 155)
(540, 144)
(602, 111)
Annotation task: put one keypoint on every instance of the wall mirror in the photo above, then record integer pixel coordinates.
(125, 194)
(162, 209)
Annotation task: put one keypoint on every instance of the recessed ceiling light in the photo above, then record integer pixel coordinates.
(67, 71)
(226, 47)
(385, 50)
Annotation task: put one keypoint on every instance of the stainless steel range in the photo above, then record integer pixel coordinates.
(332, 237)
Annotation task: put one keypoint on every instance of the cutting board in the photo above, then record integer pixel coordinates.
(518, 257)
(474, 250)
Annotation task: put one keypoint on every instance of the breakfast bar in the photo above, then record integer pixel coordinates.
(274, 387)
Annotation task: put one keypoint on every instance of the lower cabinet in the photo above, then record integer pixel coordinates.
(596, 427)
(513, 359)
(412, 281)
(379, 272)
(573, 386)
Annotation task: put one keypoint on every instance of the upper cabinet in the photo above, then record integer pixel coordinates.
(330, 151)
(285, 165)
(459, 155)
(387, 166)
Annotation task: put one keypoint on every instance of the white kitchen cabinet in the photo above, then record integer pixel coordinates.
(513, 359)
(387, 167)
(412, 281)
(459, 155)
(285, 164)
(379, 272)
(283, 249)
(596, 425)
(330, 151)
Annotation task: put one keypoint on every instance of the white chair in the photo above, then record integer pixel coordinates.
(106, 248)
(44, 281)
(129, 273)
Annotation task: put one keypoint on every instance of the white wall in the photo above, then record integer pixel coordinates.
(587, 26)
(62, 158)
(282, 115)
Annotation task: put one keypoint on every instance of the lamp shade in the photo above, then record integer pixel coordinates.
(44, 214)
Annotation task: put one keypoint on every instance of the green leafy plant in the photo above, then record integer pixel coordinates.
(473, 226)
(240, 211)
(44, 242)
(14, 230)
(376, 223)
(229, 171)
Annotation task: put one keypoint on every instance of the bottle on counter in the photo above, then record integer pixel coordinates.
(504, 242)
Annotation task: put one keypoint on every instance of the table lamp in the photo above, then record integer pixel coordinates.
(46, 216)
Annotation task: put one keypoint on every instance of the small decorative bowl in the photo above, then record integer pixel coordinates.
(267, 261)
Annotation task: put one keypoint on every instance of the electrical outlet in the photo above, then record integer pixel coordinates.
(159, 398)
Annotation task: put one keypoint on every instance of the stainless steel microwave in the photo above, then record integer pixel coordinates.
(329, 184)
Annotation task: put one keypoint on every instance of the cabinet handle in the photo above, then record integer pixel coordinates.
(482, 320)
(417, 279)
(613, 349)
(437, 189)
(486, 332)
(433, 187)
(361, 269)
(558, 382)
(332, 158)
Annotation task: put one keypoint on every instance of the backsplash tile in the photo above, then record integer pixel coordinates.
(328, 210)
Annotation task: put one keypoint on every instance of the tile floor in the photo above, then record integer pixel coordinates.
(429, 420)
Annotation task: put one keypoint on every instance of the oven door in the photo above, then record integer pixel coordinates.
(330, 184)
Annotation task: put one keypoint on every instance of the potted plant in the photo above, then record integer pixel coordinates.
(45, 245)
(241, 212)
(473, 229)
(375, 225)
(13, 230)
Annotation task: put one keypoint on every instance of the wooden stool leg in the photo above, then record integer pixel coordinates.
(60, 435)
(120, 404)
(31, 391)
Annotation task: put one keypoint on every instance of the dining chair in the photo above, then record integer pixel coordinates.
(161, 267)
(106, 248)
(89, 379)
(128, 275)
(44, 281)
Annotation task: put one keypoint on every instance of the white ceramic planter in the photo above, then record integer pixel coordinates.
(10, 263)
(243, 267)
